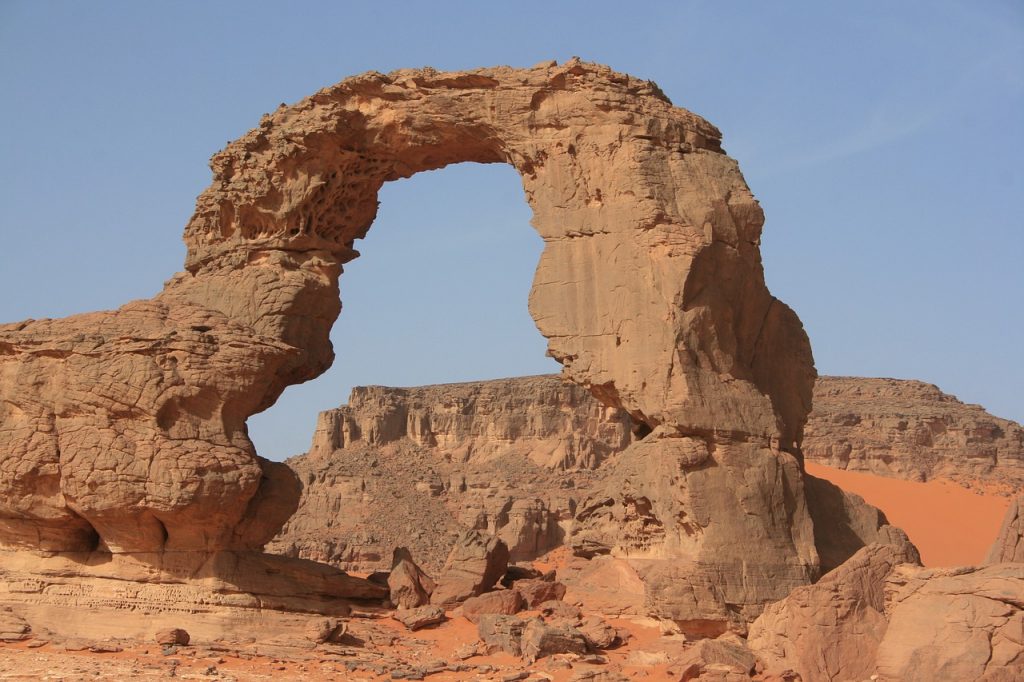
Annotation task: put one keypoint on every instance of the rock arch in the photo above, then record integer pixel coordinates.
(127, 428)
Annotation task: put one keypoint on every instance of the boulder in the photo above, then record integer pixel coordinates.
(503, 602)
(541, 639)
(408, 586)
(172, 637)
(598, 633)
(475, 565)
(953, 624)
(502, 633)
(421, 617)
(322, 630)
(559, 610)
(714, 659)
(832, 629)
(13, 628)
(537, 591)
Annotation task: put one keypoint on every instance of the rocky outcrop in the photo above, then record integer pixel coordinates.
(881, 616)
(551, 423)
(124, 431)
(912, 430)
(478, 455)
(226, 595)
(503, 456)
(408, 586)
(1009, 544)
(953, 624)
(831, 630)
(474, 566)
(127, 427)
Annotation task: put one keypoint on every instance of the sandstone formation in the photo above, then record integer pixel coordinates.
(503, 456)
(408, 586)
(912, 430)
(1009, 544)
(124, 431)
(474, 566)
(504, 602)
(421, 617)
(539, 463)
(953, 624)
(880, 616)
(831, 630)
(225, 595)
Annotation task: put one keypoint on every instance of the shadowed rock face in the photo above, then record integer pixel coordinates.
(126, 429)
(1009, 544)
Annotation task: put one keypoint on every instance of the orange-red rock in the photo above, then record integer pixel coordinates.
(125, 430)
(1009, 544)
(912, 430)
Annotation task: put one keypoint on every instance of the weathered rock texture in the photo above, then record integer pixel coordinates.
(221, 595)
(418, 466)
(127, 427)
(1009, 544)
(539, 463)
(831, 630)
(125, 430)
(953, 624)
(880, 614)
(912, 430)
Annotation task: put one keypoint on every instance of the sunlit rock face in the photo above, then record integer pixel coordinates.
(126, 429)
(911, 429)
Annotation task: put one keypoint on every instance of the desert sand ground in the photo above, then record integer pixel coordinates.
(950, 524)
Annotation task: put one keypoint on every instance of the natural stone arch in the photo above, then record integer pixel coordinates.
(128, 427)
(650, 288)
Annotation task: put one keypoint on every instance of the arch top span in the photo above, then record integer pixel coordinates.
(649, 290)
(307, 176)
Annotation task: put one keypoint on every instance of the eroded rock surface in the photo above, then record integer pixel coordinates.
(479, 456)
(831, 630)
(882, 616)
(124, 431)
(416, 467)
(1009, 544)
(953, 624)
(912, 430)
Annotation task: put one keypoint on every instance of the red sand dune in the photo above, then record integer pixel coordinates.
(951, 525)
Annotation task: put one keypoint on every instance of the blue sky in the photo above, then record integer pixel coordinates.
(884, 141)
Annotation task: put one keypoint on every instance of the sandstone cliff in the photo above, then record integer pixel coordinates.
(414, 466)
(541, 464)
(912, 430)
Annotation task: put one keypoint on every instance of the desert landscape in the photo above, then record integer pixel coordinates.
(687, 500)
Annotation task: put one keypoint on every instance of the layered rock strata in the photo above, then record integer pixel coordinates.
(416, 467)
(911, 430)
(539, 463)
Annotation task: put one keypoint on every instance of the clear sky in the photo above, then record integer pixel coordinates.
(885, 141)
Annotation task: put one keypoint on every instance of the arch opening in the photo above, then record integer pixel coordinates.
(437, 295)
